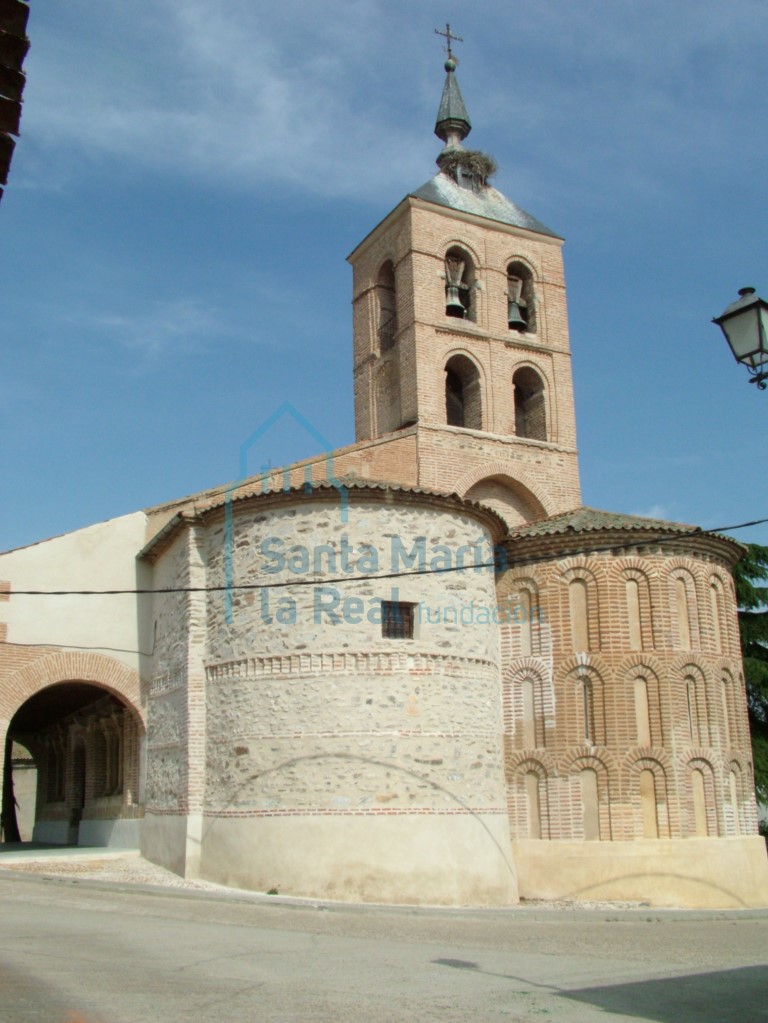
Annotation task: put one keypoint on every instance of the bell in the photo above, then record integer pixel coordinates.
(453, 306)
(515, 317)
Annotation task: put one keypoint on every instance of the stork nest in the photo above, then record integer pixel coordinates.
(471, 162)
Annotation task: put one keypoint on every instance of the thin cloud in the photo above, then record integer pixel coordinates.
(165, 327)
(225, 94)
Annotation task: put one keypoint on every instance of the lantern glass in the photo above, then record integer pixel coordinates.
(745, 325)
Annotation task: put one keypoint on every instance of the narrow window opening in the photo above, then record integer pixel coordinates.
(521, 303)
(716, 606)
(698, 785)
(642, 717)
(577, 594)
(529, 714)
(387, 307)
(459, 285)
(633, 614)
(397, 619)
(530, 404)
(683, 620)
(587, 711)
(648, 803)
(734, 790)
(534, 804)
(589, 804)
(463, 394)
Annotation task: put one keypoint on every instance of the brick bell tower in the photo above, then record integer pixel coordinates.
(461, 336)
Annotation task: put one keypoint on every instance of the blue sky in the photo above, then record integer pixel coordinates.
(191, 176)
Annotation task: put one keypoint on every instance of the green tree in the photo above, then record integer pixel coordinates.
(751, 576)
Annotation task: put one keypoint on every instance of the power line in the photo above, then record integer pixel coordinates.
(495, 564)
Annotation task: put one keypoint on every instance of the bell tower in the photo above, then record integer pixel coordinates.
(461, 336)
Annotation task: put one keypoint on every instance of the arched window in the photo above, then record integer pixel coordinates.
(633, 614)
(683, 621)
(587, 710)
(589, 804)
(727, 697)
(463, 394)
(459, 284)
(717, 608)
(642, 715)
(521, 302)
(526, 604)
(530, 404)
(386, 298)
(699, 798)
(578, 605)
(733, 788)
(529, 713)
(647, 784)
(692, 708)
(533, 800)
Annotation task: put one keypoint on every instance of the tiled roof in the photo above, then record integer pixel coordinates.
(486, 202)
(591, 520)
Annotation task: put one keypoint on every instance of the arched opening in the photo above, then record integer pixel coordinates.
(578, 606)
(463, 394)
(717, 613)
(521, 301)
(648, 799)
(642, 713)
(633, 614)
(530, 404)
(589, 805)
(459, 284)
(511, 499)
(386, 300)
(533, 804)
(683, 617)
(699, 800)
(85, 743)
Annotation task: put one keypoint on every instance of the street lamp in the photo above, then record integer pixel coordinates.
(745, 325)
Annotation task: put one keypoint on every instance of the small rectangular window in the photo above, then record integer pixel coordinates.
(397, 619)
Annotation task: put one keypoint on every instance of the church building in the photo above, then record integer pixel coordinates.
(415, 669)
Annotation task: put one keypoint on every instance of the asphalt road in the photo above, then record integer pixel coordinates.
(83, 953)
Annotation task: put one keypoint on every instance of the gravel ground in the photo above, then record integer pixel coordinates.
(128, 869)
(133, 869)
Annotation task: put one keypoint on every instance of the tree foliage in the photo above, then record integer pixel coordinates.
(751, 578)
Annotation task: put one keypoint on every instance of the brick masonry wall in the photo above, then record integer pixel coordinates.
(712, 736)
(312, 715)
(415, 238)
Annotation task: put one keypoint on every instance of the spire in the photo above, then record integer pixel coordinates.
(453, 124)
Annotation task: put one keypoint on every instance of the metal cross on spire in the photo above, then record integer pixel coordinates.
(449, 36)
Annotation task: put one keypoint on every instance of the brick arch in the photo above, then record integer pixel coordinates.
(600, 758)
(574, 665)
(70, 666)
(515, 257)
(640, 757)
(540, 761)
(521, 484)
(639, 663)
(473, 357)
(455, 241)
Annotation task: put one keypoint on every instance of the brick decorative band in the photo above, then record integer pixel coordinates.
(384, 811)
(349, 663)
